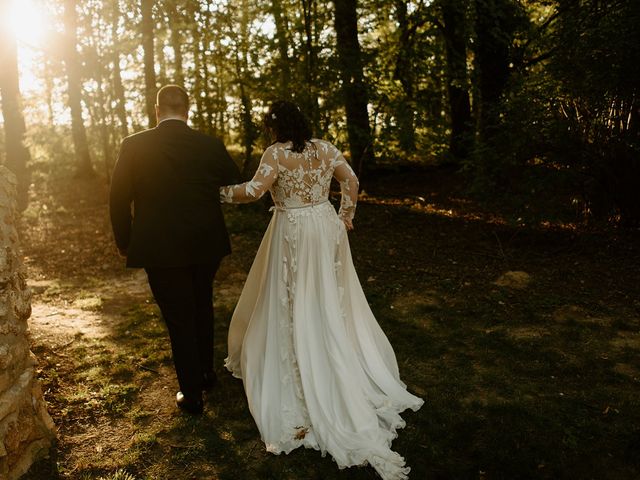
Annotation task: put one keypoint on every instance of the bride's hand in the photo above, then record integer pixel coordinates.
(348, 224)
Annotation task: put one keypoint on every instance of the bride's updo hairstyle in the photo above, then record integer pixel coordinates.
(288, 123)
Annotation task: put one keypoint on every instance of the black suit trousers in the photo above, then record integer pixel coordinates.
(185, 298)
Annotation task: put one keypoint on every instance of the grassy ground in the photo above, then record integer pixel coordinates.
(535, 376)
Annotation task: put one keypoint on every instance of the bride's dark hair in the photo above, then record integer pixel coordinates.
(287, 122)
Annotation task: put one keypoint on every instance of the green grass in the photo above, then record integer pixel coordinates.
(540, 383)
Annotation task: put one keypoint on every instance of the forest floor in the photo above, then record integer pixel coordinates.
(528, 374)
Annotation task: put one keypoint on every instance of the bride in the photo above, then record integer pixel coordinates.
(317, 369)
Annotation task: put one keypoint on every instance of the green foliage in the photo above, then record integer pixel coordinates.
(570, 104)
(598, 66)
(551, 83)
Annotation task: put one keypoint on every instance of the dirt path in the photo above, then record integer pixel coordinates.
(77, 328)
(59, 314)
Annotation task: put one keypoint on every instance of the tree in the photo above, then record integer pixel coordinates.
(17, 154)
(496, 22)
(455, 36)
(96, 61)
(283, 62)
(84, 167)
(244, 80)
(194, 11)
(174, 16)
(404, 73)
(310, 13)
(353, 85)
(596, 61)
(118, 89)
(150, 83)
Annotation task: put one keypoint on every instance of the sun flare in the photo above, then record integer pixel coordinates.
(26, 20)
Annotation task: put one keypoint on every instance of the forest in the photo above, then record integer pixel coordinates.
(497, 143)
(520, 95)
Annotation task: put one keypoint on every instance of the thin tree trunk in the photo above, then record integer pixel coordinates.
(17, 154)
(221, 103)
(242, 68)
(404, 73)
(353, 86)
(208, 100)
(492, 47)
(247, 128)
(149, 60)
(97, 103)
(311, 60)
(453, 16)
(283, 48)
(104, 129)
(84, 167)
(162, 62)
(175, 25)
(118, 89)
(194, 13)
(98, 115)
(48, 86)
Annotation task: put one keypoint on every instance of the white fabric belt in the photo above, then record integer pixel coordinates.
(311, 205)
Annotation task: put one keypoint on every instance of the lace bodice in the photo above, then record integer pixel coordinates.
(299, 179)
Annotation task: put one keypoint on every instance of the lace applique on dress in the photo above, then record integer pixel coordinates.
(299, 179)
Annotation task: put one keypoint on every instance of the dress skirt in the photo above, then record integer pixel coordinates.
(318, 370)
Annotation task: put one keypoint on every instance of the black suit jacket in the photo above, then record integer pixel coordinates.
(164, 200)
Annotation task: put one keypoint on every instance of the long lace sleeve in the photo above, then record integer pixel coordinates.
(348, 186)
(256, 187)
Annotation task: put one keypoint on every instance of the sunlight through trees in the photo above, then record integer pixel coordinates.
(483, 85)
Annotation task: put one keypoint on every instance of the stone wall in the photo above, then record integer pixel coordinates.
(26, 429)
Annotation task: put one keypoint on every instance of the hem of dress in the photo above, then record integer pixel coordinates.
(389, 465)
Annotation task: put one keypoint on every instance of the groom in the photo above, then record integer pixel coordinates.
(166, 218)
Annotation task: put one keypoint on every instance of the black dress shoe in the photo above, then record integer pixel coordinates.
(188, 404)
(209, 380)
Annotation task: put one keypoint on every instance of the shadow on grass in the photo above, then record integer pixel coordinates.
(536, 382)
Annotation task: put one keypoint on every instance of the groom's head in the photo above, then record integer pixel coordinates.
(172, 101)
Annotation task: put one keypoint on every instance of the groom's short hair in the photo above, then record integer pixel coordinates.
(173, 99)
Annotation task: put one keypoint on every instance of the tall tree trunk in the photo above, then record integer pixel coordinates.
(194, 12)
(98, 115)
(17, 154)
(353, 86)
(206, 81)
(149, 60)
(242, 73)
(175, 26)
(48, 91)
(74, 82)
(405, 74)
(221, 102)
(118, 89)
(248, 130)
(311, 61)
(162, 62)
(104, 126)
(494, 27)
(453, 16)
(283, 62)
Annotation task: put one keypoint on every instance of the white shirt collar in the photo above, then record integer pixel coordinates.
(171, 117)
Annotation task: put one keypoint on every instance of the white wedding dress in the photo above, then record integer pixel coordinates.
(317, 369)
